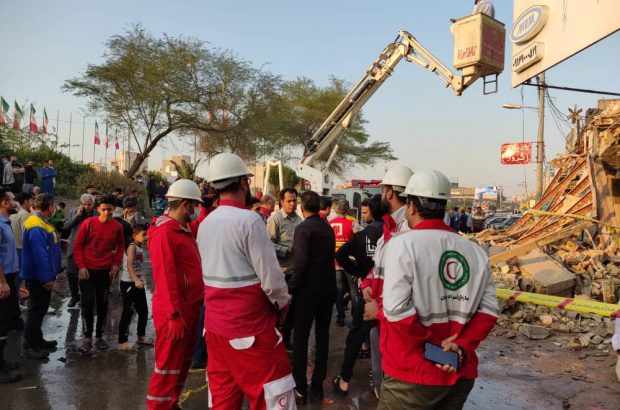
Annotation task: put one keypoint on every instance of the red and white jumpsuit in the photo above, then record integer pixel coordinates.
(244, 288)
(178, 292)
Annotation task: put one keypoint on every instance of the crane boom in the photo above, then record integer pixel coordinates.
(405, 46)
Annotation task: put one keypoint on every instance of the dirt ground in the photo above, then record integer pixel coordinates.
(515, 373)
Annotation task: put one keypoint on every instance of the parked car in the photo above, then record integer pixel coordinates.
(511, 220)
(495, 221)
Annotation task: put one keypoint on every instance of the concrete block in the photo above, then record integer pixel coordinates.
(535, 332)
(547, 275)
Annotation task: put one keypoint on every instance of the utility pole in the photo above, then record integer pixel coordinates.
(540, 140)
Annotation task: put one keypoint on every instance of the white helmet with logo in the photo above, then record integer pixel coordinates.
(226, 168)
(428, 184)
(184, 189)
(397, 176)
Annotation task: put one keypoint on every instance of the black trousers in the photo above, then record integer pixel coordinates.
(72, 278)
(95, 290)
(9, 307)
(39, 302)
(289, 321)
(358, 333)
(312, 306)
(133, 298)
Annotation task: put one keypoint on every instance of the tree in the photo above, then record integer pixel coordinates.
(288, 174)
(185, 170)
(160, 86)
(308, 105)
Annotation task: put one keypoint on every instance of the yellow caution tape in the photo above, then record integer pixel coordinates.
(186, 394)
(575, 305)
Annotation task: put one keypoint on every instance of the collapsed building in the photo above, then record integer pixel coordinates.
(568, 244)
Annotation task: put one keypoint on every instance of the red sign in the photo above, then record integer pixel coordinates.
(517, 153)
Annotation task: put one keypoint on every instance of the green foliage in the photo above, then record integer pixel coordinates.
(105, 182)
(156, 86)
(308, 106)
(288, 174)
(156, 176)
(30, 147)
(185, 170)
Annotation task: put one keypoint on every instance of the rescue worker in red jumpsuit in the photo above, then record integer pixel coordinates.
(178, 292)
(245, 295)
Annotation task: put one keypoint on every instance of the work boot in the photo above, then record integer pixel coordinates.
(73, 303)
(31, 352)
(7, 376)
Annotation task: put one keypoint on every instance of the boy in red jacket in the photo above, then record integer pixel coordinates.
(98, 253)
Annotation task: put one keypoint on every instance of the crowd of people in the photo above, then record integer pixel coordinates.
(251, 282)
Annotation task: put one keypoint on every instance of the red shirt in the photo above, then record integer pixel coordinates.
(176, 268)
(343, 230)
(99, 245)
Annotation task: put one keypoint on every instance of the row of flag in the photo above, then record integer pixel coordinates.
(117, 145)
(18, 114)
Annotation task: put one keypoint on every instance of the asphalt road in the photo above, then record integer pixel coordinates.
(514, 373)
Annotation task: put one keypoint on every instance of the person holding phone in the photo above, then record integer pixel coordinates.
(439, 303)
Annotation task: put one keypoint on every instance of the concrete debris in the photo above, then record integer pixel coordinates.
(547, 275)
(535, 332)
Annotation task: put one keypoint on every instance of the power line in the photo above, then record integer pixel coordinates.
(580, 90)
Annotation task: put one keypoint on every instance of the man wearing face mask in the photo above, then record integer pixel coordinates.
(245, 293)
(178, 292)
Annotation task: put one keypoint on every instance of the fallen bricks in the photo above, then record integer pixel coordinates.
(567, 245)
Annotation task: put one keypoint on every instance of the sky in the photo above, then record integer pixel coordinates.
(46, 43)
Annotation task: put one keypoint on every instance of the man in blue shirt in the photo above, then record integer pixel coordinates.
(39, 268)
(9, 267)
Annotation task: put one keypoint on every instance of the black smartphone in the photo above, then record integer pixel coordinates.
(437, 355)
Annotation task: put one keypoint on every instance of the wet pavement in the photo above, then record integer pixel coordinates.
(514, 373)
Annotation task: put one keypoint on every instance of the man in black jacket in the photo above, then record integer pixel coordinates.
(355, 257)
(313, 286)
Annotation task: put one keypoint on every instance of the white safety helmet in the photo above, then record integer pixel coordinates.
(184, 189)
(428, 184)
(226, 168)
(397, 176)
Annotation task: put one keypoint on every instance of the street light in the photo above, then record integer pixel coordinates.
(510, 106)
(540, 139)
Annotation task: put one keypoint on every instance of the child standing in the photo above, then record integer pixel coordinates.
(132, 291)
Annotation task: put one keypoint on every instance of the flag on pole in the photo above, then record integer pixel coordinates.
(97, 139)
(4, 108)
(107, 138)
(117, 144)
(17, 117)
(45, 120)
(33, 121)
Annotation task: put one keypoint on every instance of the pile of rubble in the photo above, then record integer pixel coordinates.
(568, 244)
(569, 269)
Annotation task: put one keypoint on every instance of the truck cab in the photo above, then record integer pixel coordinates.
(355, 196)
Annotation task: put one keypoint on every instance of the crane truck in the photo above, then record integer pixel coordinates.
(478, 52)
